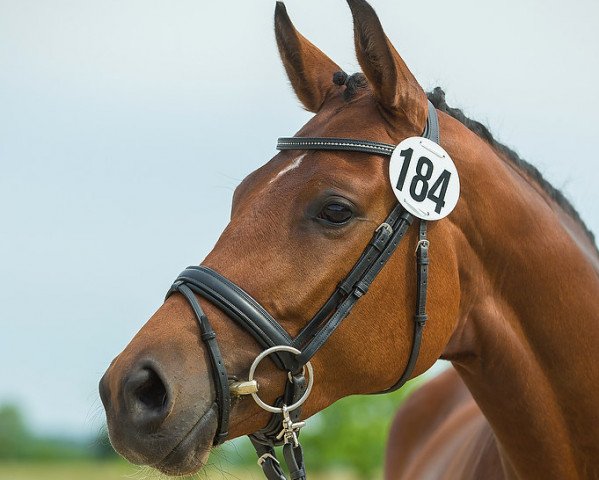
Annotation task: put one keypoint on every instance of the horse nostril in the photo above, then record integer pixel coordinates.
(152, 392)
(147, 397)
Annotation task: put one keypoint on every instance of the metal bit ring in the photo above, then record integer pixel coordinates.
(262, 356)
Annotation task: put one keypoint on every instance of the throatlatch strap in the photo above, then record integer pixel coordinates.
(420, 317)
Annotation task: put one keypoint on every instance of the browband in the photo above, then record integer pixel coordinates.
(431, 131)
(331, 143)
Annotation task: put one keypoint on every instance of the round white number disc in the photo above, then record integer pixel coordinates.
(424, 178)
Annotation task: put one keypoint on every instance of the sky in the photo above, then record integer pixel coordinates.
(125, 125)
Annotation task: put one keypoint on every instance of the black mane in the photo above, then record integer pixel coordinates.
(437, 98)
(358, 81)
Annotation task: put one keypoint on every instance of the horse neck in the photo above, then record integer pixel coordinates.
(528, 332)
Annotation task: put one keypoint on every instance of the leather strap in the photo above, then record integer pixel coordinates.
(294, 458)
(265, 439)
(420, 317)
(359, 280)
(219, 372)
(294, 389)
(267, 459)
(331, 143)
(241, 307)
(431, 131)
(371, 253)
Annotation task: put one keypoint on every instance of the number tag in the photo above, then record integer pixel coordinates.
(424, 178)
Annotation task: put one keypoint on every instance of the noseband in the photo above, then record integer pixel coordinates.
(293, 354)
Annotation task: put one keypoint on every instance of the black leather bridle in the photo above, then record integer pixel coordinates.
(238, 305)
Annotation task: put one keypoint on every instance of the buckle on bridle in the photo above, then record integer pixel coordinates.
(265, 456)
(385, 226)
(421, 243)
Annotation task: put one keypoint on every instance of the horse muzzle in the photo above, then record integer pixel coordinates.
(149, 421)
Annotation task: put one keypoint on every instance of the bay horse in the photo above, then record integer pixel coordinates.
(513, 296)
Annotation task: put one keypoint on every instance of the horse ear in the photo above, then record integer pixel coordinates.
(309, 70)
(394, 86)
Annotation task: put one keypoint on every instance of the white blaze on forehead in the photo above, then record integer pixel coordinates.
(292, 166)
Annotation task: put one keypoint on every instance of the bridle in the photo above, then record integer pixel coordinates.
(293, 354)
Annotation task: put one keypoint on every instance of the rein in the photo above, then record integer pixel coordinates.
(293, 354)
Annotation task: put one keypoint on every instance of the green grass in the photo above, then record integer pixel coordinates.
(78, 470)
(120, 470)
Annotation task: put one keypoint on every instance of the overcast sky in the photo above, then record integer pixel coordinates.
(117, 164)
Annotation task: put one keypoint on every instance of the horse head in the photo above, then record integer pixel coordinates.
(298, 225)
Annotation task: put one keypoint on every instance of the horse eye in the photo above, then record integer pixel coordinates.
(336, 213)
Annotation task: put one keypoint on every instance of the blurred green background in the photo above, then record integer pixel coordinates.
(346, 441)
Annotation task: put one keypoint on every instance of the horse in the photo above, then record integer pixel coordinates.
(512, 297)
